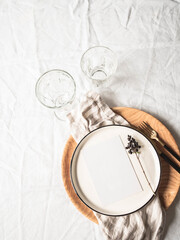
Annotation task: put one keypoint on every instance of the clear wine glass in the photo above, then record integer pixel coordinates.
(56, 89)
(99, 64)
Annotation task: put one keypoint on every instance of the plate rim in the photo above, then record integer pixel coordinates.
(72, 182)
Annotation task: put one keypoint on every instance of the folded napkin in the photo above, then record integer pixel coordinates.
(145, 224)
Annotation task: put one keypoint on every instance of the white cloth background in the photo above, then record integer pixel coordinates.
(36, 36)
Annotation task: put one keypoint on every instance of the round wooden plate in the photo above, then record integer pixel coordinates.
(170, 179)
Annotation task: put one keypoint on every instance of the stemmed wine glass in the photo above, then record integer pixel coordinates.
(99, 63)
(56, 89)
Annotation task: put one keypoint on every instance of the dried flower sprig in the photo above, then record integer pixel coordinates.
(133, 145)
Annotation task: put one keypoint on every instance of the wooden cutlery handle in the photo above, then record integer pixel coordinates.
(172, 152)
(173, 164)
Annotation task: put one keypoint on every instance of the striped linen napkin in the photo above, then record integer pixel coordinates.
(145, 224)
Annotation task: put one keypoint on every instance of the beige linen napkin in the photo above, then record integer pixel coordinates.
(145, 224)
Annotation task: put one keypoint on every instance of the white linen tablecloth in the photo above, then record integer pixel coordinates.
(36, 36)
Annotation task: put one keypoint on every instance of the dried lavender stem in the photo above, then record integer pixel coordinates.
(133, 147)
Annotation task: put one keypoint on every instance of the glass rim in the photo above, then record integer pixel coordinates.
(100, 46)
(54, 70)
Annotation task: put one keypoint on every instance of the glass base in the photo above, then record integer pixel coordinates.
(61, 113)
(99, 74)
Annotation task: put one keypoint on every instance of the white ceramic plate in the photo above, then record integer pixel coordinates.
(86, 189)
